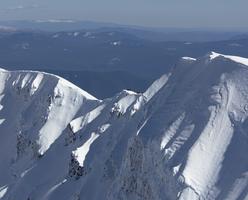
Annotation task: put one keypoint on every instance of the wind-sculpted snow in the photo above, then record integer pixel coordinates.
(185, 138)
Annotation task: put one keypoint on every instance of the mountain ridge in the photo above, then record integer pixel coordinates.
(184, 138)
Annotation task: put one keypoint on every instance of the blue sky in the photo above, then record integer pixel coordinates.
(167, 13)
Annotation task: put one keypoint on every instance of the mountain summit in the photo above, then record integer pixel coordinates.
(184, 138)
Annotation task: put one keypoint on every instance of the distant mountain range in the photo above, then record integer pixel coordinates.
(103, 50)
(149, 33)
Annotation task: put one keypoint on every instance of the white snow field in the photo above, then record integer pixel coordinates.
(185, 138)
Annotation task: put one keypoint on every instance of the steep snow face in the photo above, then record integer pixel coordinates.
(237, 59)
(35, 109)
(185, 138)
(200, 117)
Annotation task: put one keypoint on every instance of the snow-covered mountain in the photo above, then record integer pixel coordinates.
(185, 138)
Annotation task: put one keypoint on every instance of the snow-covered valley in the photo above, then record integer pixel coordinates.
(185, 138)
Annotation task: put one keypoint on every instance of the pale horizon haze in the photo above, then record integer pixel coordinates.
(160, 13)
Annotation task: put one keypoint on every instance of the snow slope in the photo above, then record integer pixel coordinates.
(185, 138)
